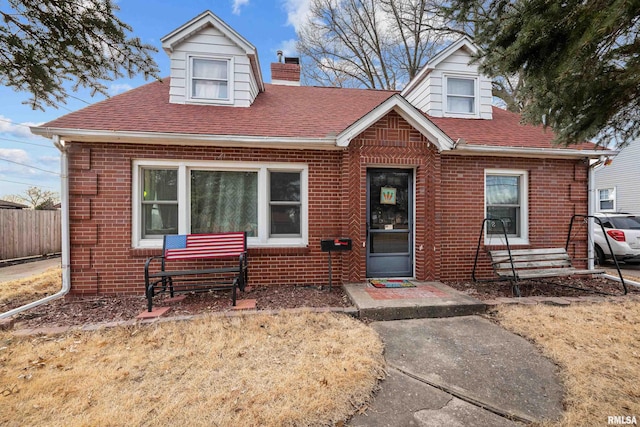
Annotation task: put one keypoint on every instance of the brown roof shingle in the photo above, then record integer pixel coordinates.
(283, 111)
(279, 111)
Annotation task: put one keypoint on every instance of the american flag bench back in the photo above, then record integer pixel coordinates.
(193, 246)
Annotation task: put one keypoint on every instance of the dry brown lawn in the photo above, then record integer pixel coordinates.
(284, 370)
(597, 347)
(23, 291)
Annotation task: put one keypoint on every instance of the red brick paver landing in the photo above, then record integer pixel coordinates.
(420, 291)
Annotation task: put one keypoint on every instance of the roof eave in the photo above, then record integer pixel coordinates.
(557, 153)
(187, 139)
(408, 112)
(194, 25)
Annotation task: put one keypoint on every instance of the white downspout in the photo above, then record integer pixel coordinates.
(66, 245)
(591, 208)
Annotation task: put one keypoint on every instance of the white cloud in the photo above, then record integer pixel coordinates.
(14, 154)
(288, 47)
(297, 12)
(20, 130)
(238, 4)
(117, 88)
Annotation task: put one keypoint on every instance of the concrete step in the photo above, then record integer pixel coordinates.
(425, 300)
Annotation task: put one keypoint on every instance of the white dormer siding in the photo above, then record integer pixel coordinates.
(212, 64)
(451, 86)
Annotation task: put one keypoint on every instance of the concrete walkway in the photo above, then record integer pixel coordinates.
(461, 371)
(19, 271)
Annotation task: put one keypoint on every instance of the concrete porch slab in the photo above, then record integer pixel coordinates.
(425, 300)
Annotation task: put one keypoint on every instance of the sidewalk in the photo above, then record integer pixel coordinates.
(19, 271)
(461, 371)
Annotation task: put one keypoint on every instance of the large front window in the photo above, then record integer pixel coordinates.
(506, 204)
(224, 201)
(268, 201)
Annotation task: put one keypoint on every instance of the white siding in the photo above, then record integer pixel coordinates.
(428, 96)
(623, 174)
(210, 42)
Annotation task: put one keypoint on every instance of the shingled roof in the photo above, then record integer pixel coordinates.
(280, 111)
(283, 112)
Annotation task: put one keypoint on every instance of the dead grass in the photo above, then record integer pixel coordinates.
(22, 291)
(285, 370)
(598, 349)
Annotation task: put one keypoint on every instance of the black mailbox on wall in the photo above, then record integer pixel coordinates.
(334, 245)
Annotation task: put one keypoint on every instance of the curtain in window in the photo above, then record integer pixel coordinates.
(461, 96)
(209, 79)
(224, 201)
(460, 86)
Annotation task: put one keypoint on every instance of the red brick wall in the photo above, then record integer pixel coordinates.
(392, 142)
(102, 259)
(557, 190)
(449, 208)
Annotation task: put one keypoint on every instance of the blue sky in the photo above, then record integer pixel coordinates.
(268, 24)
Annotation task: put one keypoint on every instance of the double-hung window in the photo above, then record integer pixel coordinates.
(210, 79)
(461, 95)
(268, 201)
(506, 197)
(606, 199)
(159, 202)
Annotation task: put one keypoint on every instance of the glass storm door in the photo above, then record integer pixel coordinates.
(389, 223)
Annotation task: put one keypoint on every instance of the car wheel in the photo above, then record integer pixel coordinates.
(600, 258)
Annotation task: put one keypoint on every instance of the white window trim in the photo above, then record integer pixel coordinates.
(523, 239)
(230, 80)
(184, 205)
(445, 95)
(612, 195)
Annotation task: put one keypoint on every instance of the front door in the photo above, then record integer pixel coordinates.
(389, 223)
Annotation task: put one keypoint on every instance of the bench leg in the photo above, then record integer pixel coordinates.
(234, 292)
(516, 288)
(149, 294)
(170, 280)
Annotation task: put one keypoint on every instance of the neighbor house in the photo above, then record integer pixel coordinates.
(617, 181)
(408, 176)
(5, 204)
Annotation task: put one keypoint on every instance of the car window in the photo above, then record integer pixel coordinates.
(625, 222)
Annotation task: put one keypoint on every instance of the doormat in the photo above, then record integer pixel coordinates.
(391, 283)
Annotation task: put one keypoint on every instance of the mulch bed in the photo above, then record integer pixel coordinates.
(529, 288)
(72, 312)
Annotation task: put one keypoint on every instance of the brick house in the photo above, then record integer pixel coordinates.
(408, 176)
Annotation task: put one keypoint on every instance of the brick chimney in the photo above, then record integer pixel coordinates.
(287, 73)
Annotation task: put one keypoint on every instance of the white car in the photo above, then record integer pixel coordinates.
(623, 233)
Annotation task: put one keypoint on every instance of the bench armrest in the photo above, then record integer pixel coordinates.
(148, 263)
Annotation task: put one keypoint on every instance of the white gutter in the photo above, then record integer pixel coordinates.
(489, 150)
(66, 246)
(190, 139)
(591, 208)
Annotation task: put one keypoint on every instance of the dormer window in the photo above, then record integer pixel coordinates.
(461, 95)
(210, 79)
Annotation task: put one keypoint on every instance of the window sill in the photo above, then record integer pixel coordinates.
(513, 241)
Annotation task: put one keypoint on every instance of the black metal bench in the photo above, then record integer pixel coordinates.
(187, 247)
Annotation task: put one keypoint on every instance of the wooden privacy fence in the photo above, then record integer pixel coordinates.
(26, 233)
